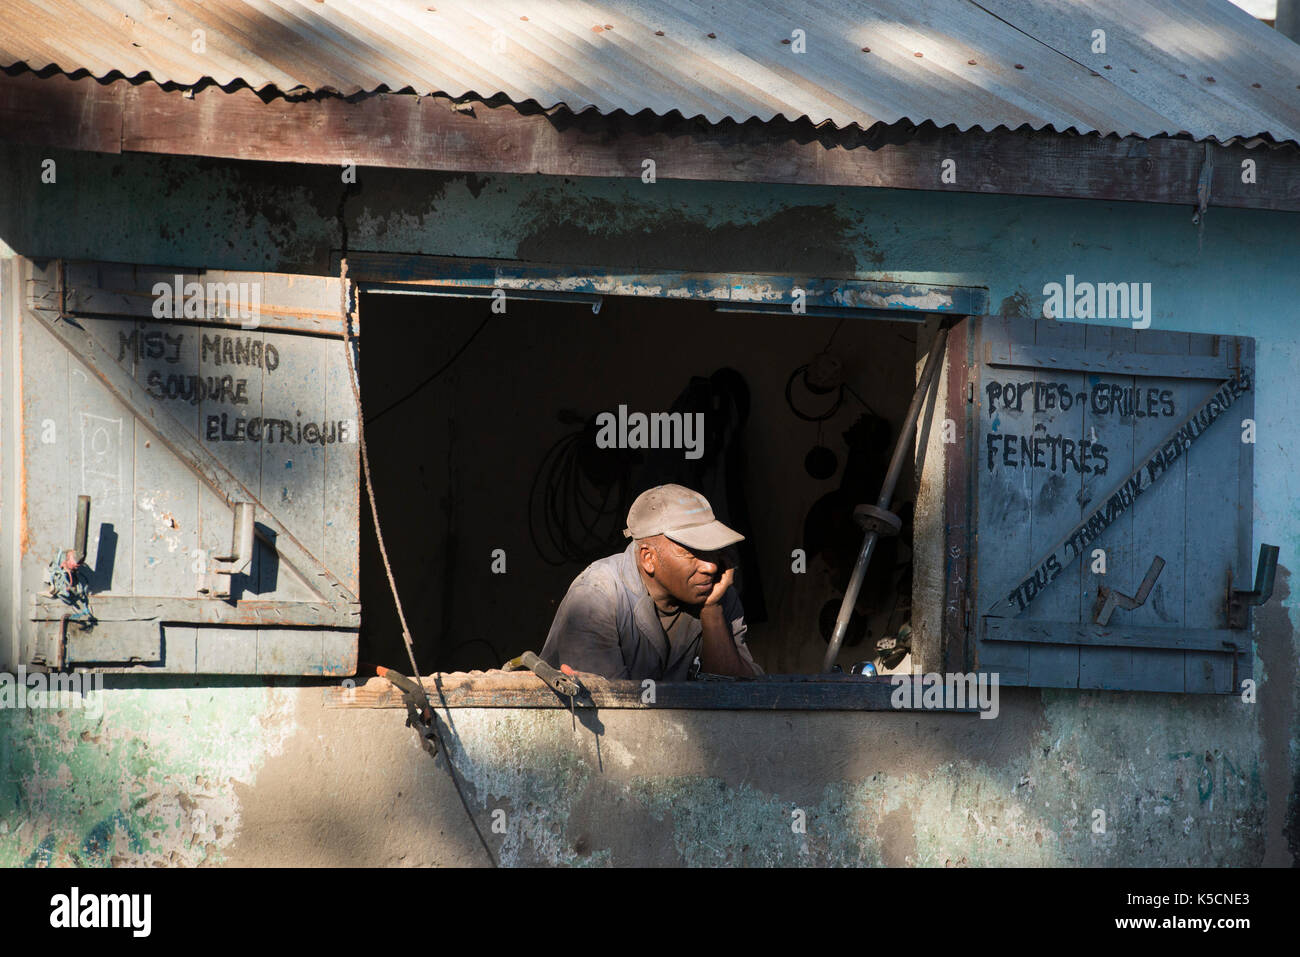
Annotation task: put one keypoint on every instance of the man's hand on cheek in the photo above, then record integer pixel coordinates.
(720, 588)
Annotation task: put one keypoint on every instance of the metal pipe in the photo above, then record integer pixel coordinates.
(928, 374)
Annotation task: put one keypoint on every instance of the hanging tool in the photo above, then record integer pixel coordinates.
(876, 519)
(419, 714)
(1108, 599)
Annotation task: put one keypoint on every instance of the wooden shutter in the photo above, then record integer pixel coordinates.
(153, 418)
(1093, 405)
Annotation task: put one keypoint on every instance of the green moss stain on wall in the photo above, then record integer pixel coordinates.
(148, 781)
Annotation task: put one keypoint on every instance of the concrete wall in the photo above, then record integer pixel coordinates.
(278, 778)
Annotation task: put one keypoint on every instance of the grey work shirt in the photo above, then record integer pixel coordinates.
(608, 625)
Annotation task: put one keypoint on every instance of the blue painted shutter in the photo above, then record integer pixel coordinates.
(1062, 414)
(165, 466)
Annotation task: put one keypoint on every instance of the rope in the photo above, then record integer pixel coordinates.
(355, 382)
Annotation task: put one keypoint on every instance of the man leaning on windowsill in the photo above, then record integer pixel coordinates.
(664, 608)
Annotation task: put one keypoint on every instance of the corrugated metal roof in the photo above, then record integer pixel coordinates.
(1200, 67)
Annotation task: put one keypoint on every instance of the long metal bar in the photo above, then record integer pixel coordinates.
(932, 362)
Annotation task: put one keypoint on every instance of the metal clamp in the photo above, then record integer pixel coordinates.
(564, 685)
(1108, 599)
(419, 713)
(217, 583)
(1240, 602)
(882, 521)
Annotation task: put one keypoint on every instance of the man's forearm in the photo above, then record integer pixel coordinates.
(718, 654)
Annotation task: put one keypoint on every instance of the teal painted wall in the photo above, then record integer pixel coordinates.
(1182, 780)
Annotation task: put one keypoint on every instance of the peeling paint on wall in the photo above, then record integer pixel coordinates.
(148, 781)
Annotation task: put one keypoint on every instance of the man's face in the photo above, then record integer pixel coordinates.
(687, 576)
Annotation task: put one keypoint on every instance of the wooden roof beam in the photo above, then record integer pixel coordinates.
(413, 132)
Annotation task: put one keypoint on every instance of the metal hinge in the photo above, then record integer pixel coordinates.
(216, 583)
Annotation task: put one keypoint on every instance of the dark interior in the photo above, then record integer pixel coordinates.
(481, 435)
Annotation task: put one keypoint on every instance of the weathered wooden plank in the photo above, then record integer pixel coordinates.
(128, 392)
(112, 643)
(1056, 485)
(1013, 630)
(226, 357)
(205, 611)
(293, 468)
(958, 644)
(61, 112)
(1244, 352)
(339, 652)
(284, 652)
(341, 551)
(46, 522)
(104, 468)
(166, 490)
(273, 301)
(411, 132)
(11, 446)
(180, 649)
(1158, 518)
(1108, 667)
(1003, 498)
(226, 651)
(498, 689)
(424, 133)
(1112, 362)
(49, 446)
(1215, 524)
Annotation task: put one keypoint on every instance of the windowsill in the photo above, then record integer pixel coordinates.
(499, 689)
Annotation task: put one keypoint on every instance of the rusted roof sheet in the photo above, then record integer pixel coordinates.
(1199, 67)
